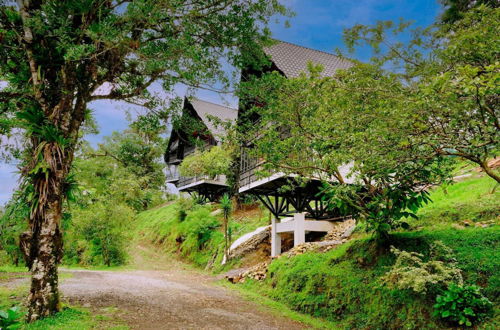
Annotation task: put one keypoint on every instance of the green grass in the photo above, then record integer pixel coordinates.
(13, 269)
(96, 267)
(69, 317)
(343, 286)
(197, 239)
(10, 297)
(279, 309)
(471, 199)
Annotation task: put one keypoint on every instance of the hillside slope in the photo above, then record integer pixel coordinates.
(344, 286)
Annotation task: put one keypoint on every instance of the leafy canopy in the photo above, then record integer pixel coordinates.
(450, 76)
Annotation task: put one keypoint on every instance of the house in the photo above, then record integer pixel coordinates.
(199, 132)
(289, 60)
(298, 209)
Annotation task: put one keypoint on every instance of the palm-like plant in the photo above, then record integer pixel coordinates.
(226, 205)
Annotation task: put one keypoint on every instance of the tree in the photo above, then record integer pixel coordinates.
(455, 9)
(351, 132)
(452, 82)
(215, 161)
(57, 56)
(137, 150)
(11, 227)
(103, 176)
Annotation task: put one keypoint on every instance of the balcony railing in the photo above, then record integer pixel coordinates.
(186, 181)
(249, 168)
(172, 174)
(189, 150)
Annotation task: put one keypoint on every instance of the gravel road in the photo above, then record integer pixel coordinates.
(169, 299)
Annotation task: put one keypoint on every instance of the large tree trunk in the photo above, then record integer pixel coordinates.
(42, 244)
(45, 254)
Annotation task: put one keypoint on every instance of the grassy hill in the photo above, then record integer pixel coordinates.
(343, 286)
(194, 232)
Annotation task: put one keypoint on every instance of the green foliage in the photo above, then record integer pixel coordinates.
(98, 234)
(215, 161)
(336, 118)
(55, 55)
(382, 211)
(449, 76)
(197, 231)
(183, 206)
(11, 318)
(455, 9)
(139, 150)
(462, 305)
(410, 271)
(12, 223)
(106, 187)
(343, 285)
(197, 238)
(122, 176)
(471, 199)
(226, 205)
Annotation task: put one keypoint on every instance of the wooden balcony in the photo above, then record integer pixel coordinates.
(172, 175)
(194, 182)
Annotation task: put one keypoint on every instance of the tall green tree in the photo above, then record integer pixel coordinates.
(350, 131)
(455, 9)
(55, 55)
(451, 78)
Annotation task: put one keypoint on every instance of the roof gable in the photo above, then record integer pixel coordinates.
(205, 110)
(292, 59)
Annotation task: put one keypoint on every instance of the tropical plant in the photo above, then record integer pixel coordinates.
(10, 319)
(462, 305)
(226, 204)
(58, 56)
(411, 272)
(183, 206)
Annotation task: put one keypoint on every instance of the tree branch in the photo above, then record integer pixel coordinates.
(24, 6)
(114, 95)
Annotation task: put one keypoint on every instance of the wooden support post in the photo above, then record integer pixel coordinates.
(275, 239)
(299, 234)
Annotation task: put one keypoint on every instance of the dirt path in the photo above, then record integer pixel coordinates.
(171, 298)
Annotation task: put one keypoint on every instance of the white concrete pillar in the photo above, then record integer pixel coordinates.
(299, 233)
(275, 240)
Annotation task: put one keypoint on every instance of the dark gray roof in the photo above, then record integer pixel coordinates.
(206, 109)
(293, 59)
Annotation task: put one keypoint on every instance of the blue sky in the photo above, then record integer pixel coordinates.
(318, 24)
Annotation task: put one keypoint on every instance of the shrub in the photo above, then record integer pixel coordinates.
(410, 271)
(198, 229)
(10, 319)
(215, 161)
(183, 206)
(99, 234)
(463, 305)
